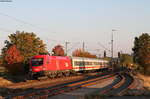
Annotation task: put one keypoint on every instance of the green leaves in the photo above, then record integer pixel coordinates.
(141, 50)
(126, 59)
(19, 48)
(27, 43)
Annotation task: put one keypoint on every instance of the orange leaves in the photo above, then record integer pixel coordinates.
(14, 60)
(13, 55)
(58, 51)
(81, 53)
(27, 43)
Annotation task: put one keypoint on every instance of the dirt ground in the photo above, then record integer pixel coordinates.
(145, 79)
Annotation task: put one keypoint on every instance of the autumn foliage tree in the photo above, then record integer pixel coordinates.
(58, 51)
(28, 44)
(14, 59)
(81, 53)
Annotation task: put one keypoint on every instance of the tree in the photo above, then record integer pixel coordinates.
(141, 52)
(1, 60)
(58, 51)
(14, 59)
(81, 53)
(126, 60)
(28, 45)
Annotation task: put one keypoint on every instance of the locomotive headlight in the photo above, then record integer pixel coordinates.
(43, 68)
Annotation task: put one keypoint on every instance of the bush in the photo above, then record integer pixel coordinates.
(140, 69)
(15, 69)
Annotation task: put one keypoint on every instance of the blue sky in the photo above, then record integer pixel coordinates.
(91, 21)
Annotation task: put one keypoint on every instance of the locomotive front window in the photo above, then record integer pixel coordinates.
(37, 62)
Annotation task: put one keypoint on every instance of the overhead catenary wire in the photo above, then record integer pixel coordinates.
(103, 46)
(22, 21)
(77, 43)
(35, 26)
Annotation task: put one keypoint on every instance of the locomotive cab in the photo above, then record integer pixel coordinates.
(37, 65)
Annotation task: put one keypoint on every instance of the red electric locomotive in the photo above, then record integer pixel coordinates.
(49, 65)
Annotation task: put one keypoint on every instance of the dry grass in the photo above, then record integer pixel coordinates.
(146, 80)
(4, 82)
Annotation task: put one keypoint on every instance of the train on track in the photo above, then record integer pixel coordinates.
(57, 66)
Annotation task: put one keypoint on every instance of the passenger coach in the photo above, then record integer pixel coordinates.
(84, 64)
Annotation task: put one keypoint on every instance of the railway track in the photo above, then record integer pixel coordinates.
(36, 83)
(124, 82)
(42, 93)
(119, 86)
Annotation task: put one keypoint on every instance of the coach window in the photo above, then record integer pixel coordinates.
(76, 63)
(90, 63)
(104, 63)
(82, 64)
(100, 63)
(95, 63)
(86, 63)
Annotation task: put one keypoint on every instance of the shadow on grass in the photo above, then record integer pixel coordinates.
(13, 79)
